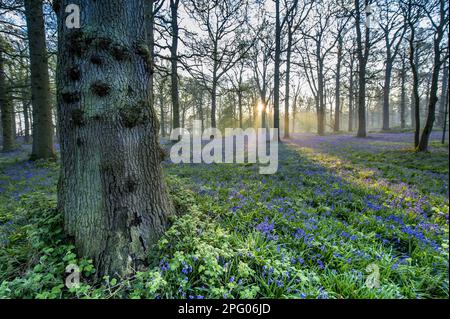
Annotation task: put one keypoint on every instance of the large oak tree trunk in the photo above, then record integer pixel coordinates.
(111, 190)
(40, 85)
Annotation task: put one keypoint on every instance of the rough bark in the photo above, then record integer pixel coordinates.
(6, 106)
(40, 86)
(433, 91)
(111, 191)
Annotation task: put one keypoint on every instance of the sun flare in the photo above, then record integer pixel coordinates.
(260, 107)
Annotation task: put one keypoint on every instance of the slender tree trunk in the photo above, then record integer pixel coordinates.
(337, 111)
(200, 110)
(351, 97)
(362, 102)
(415, 89)
(444, 96)
(6, 106)
(387, 93)
(276, 76)
(14, 124)
(287, 85)
(403, 96)
(363, 53)
(213, 103)
(411, 108)
(433, 92)
(20, 132)
(320, 104)
(214, 85)
(25, 106)
(111, 189)
(240, 108)
(161, 108)
(40, 86)
(321, 99)
(444, 126)
(174, 63)
(294, 112)
(263, 111)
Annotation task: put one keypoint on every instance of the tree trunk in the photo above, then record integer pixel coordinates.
(240, 108)
(26, 119)
(444, 97)
(213, 102)
(363, 53)
(40, 86)
(403, 96)
(6, 106)
(200, 110)
(276, 75)
(321, 103)
(432, 93)
(294, 112)
(351, 97)
(411, 108)
(287, 85)
(415, 103)
(387, 93)
(174, 63)
(337, 111)
(444, 126)
(111, 189)
(161, 108)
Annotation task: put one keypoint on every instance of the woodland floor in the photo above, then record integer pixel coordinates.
(339, 210)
